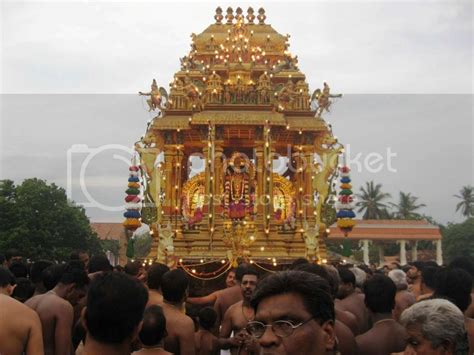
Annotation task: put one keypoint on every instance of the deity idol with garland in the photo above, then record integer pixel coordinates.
(238, 188)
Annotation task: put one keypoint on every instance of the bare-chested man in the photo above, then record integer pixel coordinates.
(342, 316)
(386, 335)
(152, 332)
(467, 264)
(180, 327)
(238, 315)
(350, 300)
(229, 296)
(455, 284)
(135, 268)
(20, 327)
(403, 298)
(206, 342)
(55, 310)
(155, 274)
(428, 277)
(115, 305)
(11, 256)
(414, 277)
(36, 275)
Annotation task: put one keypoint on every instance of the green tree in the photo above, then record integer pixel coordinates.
(371, 201)
(466, 205)
(406, 207)
(38, 220)
(458, 239)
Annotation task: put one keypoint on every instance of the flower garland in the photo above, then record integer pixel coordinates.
(205, 276)
(132, 214)
(345, 213)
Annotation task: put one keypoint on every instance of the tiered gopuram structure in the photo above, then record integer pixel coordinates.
(238, 162)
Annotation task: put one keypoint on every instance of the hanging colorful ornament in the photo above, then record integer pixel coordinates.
(132, 213)
(345, 213)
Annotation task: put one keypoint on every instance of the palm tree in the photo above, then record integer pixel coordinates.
(370, 201)
(407, 206)
(467, 201)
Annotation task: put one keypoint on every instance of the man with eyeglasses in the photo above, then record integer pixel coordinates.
(292, 315)
(238, 315)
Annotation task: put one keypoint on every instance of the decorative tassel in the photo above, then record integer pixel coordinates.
(345, 213)
(132, 214)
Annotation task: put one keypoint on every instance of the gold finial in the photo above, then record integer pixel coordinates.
(218, 16)
(230, 16)
(261, 16)
(239, 17)
(250, 15)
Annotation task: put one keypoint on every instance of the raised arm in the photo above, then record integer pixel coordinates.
(209, 299)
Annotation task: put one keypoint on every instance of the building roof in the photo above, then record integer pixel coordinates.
(389, 230)
(113, 231)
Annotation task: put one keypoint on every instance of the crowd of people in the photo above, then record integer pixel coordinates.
(86, 306)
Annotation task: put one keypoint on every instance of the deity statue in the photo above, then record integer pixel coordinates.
(156, 97)
(192, 94)
(192, 200)
(322, 99)
(214, 89)
(237, 187)
(287, 95)
(227, 97)
(264, 89)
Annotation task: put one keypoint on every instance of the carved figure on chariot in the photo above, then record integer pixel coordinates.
(322, 99)
(264, 89)
(193, 201)
(328, 149)
(158, 97)
(214, 90)
(239, 188)
(284, 205)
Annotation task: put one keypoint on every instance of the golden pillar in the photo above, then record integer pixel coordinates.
(260, 165)
(267, 177)
(168, 177)
(209, 155)
(218, 176)
(300, 169)
(178, 168)
(308, 183)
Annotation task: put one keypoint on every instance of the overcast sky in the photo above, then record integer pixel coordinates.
(70, 72)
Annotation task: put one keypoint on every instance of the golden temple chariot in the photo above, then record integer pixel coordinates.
(238, 162)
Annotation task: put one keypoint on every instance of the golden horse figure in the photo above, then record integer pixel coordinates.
(310, 237)
(165, 253)
(328, 149)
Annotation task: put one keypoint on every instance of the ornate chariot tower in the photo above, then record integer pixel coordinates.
(238, 162)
